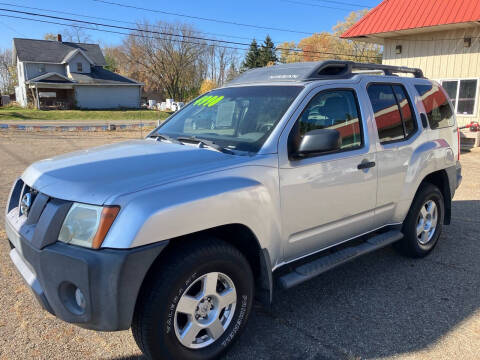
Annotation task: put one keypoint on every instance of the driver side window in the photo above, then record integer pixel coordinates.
(336, 110)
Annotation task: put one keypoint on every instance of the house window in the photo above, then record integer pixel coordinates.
(41, 68)
(463, 94)
(79, 67)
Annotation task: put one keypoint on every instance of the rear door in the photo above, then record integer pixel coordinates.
(397, 127)
(326, 198)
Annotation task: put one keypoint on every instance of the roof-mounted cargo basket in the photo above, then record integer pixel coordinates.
(323, 70)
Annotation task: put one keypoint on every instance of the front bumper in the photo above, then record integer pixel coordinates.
(110, 279)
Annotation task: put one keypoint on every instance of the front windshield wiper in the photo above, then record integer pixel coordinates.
(166, 137)
(205, 142)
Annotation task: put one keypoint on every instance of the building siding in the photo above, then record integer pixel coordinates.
(107, 97)
(20, 90)
(79, 58)
(441, 55)
(32, 70)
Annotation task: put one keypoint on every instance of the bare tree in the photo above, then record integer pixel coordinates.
(8, 75)
(50, 36)
(218, 58)
(173, 63)
(76, 34)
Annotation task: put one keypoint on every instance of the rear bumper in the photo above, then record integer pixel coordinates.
(109, 279)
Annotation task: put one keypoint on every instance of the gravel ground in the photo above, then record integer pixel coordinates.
(381, 306)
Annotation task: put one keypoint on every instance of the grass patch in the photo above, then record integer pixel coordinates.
(18, 113)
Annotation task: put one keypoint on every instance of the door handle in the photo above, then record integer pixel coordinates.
(366, 165)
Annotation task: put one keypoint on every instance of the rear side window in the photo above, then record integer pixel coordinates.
(393, 112)
(439, 112)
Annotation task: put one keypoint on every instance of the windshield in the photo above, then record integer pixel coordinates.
(238, 118)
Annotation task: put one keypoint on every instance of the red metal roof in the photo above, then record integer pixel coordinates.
(397, 15)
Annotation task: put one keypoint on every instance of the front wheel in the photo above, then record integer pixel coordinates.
(423, 224)
(196, 304)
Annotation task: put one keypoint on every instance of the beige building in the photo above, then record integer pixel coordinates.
(441, 37)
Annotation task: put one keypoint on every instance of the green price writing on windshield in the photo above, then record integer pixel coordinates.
(208, 100)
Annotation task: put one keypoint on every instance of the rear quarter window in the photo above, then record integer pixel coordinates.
(437, 107)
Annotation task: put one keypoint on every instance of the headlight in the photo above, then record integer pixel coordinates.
(87, 225)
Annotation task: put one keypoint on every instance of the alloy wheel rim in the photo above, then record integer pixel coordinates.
(427, 222)
(205, 310)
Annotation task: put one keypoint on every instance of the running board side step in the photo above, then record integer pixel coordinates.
(316, 267)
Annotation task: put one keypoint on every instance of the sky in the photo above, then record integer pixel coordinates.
(306, 16)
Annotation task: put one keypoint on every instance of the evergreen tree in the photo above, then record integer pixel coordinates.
(252, 59)
(268, 52)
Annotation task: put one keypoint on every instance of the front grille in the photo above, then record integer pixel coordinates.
(37, 202)
(26, 200)
(15, 195)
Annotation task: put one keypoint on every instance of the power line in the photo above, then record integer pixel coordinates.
(120, 27)
(174, 40)
(169, 34)
(129, 22)
(12, 29)
(344, 3)
(215, 20)
(133, 23)
(106, 19)
(203, 18)
(315, 5)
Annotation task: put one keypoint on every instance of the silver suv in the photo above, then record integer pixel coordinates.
(263, 184)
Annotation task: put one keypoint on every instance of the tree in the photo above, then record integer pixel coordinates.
(362, 51)
(167, 64)
(49, 36)
(207, 85)
(111, 63)
(268, 52)
(232, 72)
(287, 55)
(8, 73)
(76, 34)
(252, 59)
(325, 45)
(217, 59)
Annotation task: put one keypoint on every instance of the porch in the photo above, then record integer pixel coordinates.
(52, 97)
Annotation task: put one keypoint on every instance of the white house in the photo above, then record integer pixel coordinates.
(69, 75)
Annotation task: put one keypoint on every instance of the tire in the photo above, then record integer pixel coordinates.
(178, 283)
(423, 224)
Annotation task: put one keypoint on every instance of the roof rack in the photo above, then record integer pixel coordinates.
(323, 70)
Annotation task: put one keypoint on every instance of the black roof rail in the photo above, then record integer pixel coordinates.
(388, 69)
(323, 70)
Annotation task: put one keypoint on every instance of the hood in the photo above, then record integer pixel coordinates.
(95, 175)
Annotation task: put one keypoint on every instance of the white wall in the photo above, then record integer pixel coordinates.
(107, 97)
(72, 64)
(20, 90)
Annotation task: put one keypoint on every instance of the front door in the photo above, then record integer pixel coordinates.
(327, 198)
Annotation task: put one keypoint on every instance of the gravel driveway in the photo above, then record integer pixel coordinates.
(379, 306)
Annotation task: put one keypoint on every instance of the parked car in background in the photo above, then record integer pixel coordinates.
(279, 176)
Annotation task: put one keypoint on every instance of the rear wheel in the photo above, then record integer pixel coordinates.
(196, 304)
(423, 224)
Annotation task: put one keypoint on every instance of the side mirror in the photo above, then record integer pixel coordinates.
(319, 141)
